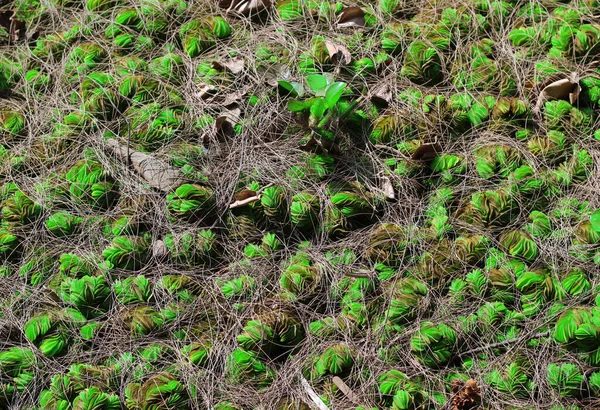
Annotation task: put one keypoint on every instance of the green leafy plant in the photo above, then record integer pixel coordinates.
(91, 184)
(244, 367)
(127, 252)
(566, 379)
(190, 201)
(434, 344)
(326, 94)
(63, 223)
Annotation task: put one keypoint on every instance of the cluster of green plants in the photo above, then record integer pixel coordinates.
(299, 204)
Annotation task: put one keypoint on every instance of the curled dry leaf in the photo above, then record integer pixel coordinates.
(467, 395)
(352, 16)
(205, 91)
(574, 94)
(427, 152)
(314, 144)
(313, 395)
(15, 28)
(272, 73)
(338, 53)
(226, 122)
(243, 202)
(387, 187)
(245, 7)
(234, 65)
(234, 97)
(565, 88)
(382, 95)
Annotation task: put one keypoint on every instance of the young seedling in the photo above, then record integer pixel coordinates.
(325, 95)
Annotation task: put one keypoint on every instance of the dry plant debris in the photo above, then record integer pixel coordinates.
(466, 395)
(299, 204)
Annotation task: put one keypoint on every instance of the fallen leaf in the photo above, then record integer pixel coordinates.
(157, 173)
(159, 249)
(574, 95)
(245, 7)
(338, 53)
(345, 389)
(387, 187)
(225, 122)
(205, 91)
(244, 194)
(565, 88)
(352, 16)
(234, 66)
(275, 72)
(426, 152)
(313, 395)
(312, 144)
(382, 95)
(234, 97)
(15, 28)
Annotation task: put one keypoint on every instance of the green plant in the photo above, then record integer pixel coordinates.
(127, 252)
(63, 223)
(566, 379)
(91, 184)
(244, 367)
(326, 94)
(434, 344)
(190, 202)
(159, 389)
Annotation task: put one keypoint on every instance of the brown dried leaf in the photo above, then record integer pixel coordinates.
(15, 28)
(159, 249)
(205, 91)
(157, 173)
(574, 95)
(234, 97)
(345, 389)
(382, 95)
(225, 122)
(274, 72)
(244, 194)
(565, 88)
(387, 187)
(352, 16)
(426, 152)
(338, 53)
(234, 66)
(314, 145)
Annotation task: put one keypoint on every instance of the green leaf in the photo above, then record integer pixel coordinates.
(37, 326)
(317, 84)
(402, 400)
(297, 106)
(334, 92)
(88, 330)
(53, 345)
(317, 110)
(293, 88)
(567, 379)
(595, 220)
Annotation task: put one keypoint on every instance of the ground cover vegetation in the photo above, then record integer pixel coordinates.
(299, 204)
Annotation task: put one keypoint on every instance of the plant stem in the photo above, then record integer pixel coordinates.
(328, 116)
